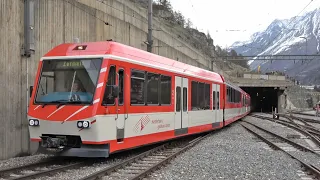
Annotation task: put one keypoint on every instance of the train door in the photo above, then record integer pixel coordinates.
(121, 108)
(115, 105)
(220, 111)
(181, 106)
(214, 106)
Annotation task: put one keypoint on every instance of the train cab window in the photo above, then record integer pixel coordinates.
(213, 100)
(178, 96)
(153, 88)
(108, 99)
(165, 89)
(137, 87)
(185, 99)
(121, 86)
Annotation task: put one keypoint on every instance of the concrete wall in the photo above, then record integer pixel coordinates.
(263, 76)
(59, 21)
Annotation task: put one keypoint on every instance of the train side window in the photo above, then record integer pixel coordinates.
(153, 88)
(165, 89)
(194, 95)
(218, 100)
(201, 102)
(137, 87)
(206, 96)
(213, 100)
(178, 96)
(121, 86)
(108, 99)
(185, 99)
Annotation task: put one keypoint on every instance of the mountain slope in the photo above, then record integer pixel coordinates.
(283, 37)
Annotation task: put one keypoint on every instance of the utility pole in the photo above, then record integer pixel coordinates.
(150, 41)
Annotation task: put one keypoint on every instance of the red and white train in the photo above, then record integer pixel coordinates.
(97, 98)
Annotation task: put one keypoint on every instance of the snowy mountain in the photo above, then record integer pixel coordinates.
(287, 37)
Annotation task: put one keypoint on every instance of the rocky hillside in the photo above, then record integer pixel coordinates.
(287, 37)
(185, 31)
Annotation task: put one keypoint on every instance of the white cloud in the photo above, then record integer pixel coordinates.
(232, 20)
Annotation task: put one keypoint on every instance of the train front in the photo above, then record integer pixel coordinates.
(63, 106)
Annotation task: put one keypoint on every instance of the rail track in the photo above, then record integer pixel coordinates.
(308, 130)
(143, 164)
(42, 168)
(289, 146)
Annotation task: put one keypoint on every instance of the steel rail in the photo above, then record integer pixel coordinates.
(5, 173)
(315, 139)
(302, 147)
(163, 153)
(308, 166)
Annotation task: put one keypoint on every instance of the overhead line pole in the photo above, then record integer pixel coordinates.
(150, 41)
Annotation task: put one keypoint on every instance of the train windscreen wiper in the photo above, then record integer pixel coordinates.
(64, 102)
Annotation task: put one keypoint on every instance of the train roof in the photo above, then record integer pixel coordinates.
(127, 53)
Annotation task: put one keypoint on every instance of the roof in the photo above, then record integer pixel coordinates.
(131, 53)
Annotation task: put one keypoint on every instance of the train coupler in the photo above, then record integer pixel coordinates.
(53, 142)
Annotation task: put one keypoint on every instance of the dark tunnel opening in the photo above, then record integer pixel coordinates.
(263, 99)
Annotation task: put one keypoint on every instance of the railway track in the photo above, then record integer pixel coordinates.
(313, 134)
(306, 119)
(40, 169)
(285, 145)
(143, 164)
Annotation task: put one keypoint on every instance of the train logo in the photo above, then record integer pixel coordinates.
(141, 124)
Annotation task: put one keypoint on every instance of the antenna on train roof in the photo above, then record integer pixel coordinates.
(109, 40)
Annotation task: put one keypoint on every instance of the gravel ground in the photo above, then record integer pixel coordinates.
(308, 117)
(283, 130)
(230, 153)
(19, 161)
(74, 174)
(279, 129)
(317, 125)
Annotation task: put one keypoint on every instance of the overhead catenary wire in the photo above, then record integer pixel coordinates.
(267, 46)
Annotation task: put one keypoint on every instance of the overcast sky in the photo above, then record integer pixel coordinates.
(243, 16)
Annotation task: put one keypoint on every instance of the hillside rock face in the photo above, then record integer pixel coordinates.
(283, 37)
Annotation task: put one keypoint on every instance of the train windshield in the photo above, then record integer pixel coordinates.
(68, 81)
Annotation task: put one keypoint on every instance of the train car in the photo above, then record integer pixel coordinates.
(96, 98)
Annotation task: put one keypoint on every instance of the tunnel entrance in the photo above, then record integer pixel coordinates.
(263, 99)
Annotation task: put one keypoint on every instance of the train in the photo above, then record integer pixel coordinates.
(94, 99)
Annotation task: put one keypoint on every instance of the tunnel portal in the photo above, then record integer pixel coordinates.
(263, 99)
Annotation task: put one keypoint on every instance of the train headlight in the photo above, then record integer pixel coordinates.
(34, 122)
(86, 124)
(31, 122)
(83, 124)
(79, 124)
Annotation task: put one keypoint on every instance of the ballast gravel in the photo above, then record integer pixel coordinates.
(20, 161)
(231, 153)
(280, 129)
